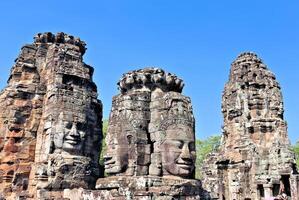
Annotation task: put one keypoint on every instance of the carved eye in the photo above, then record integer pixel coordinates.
(178, 143)
(68, 125)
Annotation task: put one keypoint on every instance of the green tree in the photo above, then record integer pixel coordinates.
(103, 145)
(296, 150)
(203, 148)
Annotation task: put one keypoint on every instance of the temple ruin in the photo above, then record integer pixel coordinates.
(151, 140)
(254, 160)
(51, 133)
(50, 121)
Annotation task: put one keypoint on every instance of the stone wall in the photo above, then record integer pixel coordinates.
(51, 119)
(51, 123)
(51, 130)
(254, 160)
(150, 140)
(21, 105)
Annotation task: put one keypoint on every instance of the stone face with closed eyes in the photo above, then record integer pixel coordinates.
(50, 119)
(178, 151)
(144, 119)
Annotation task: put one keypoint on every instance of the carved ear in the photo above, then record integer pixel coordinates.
(58, 140)
(60, 117)
(52, 147)
(129, 139)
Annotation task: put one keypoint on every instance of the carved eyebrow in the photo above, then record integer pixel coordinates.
(177, 142)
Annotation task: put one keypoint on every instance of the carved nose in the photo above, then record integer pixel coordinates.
(185, 152)
(74, 131)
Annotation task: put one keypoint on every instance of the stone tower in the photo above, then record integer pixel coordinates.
(21, 105)
(50, 121)
(149, 102)
(254, 160)
(150, 140)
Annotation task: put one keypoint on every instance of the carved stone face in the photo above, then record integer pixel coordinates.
(116, 158)
(178, 151)
(7, 173)
(70, 136)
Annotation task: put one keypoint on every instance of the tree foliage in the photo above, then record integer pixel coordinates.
(296, 150)
(203, 148)
(104, 145)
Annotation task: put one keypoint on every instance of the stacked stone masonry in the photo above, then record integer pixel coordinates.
(150, 140)
(254, 160)
(51, 135)
(51, 130)
(50, 121)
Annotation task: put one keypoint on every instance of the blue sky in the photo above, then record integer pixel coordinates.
(197, 40)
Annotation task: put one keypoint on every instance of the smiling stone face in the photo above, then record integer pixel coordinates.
(74, 136)
(116, 158)
(178, 151)
(70, 136)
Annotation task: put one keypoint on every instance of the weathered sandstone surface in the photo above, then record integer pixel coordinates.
(51, 133)
(50, 119)
(254, 160)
